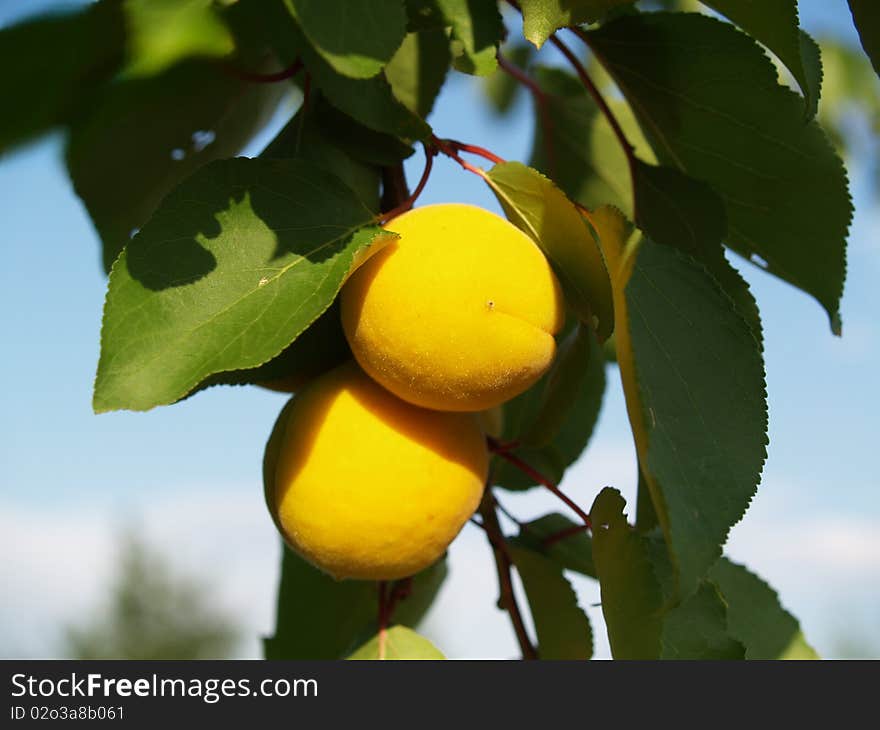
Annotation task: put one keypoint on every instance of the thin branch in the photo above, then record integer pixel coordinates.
(503, 565)
(594, 92)
(450, 148)
(539, 478)
(540, 98)
(407, 204)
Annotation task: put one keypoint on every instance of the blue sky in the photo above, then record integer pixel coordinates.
(189, 475)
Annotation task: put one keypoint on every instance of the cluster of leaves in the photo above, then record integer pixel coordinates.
(225, 269)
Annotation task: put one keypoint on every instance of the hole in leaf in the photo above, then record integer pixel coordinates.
(758, 261)
(177, 154)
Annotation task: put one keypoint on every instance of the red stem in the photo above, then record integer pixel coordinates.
(562, 534)
(449, 148)
(265, 78)
(594, 92)
(430, 151)
(503, 564)
(539, 478)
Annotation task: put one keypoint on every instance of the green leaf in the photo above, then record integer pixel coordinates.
(775, 24)
(418, 69)
(319, 617)
(400, 643)
(697, 629)
(313, 135)
(477, 31)
(708, 100)
(186, 299)
(355, 37)
(867, 22)
(632, 599)
(54, 65)
(573, 552)
(755, 616)
(676, 210)
(562, 627)
(638, 585)
(533, 203)
(554, 419)
(371, 102)
(693, 378)
(165, 32)
(127, 152)
(541, 18)
(359, 142)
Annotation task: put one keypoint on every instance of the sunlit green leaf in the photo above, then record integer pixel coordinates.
(400, 643)
(693, 378)
(186, 299)
(709, 101)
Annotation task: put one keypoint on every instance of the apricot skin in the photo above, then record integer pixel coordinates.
(368, 486)
(458, 314)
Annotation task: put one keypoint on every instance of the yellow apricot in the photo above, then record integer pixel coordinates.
(458, 314)
(369, 486)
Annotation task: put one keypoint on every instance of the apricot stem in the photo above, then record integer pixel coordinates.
(503, 563)
(430, 151)
(539, 478)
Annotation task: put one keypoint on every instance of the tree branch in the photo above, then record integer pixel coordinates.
(507, 598)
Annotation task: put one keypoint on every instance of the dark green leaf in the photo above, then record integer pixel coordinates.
(165, 32)
(186, 299)
(358, 142)
(533, 203)
(562, 627)
(418, 69)
(54, 65)
(775, 24)
(477, 31)
(867, 21)
(356, 37)
(755, 616)
(127, 151)
(322, 135)
(632, 599)
(551, 439)
(542, 17)
(676, 210)
(708, 99)
(697, 629)
(400, 643)
(572, 552)
(424, 15)
(371, 102)
(693, 377)
(320, 348)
